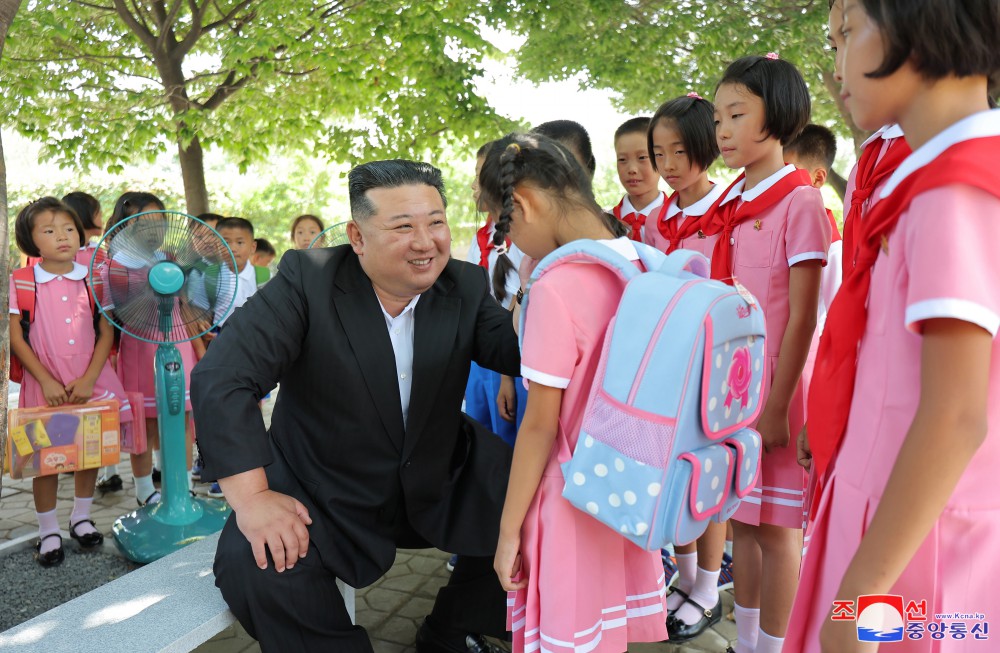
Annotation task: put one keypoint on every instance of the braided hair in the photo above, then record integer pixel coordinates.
(546, 163)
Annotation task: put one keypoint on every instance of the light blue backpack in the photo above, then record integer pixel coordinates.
(665, 443)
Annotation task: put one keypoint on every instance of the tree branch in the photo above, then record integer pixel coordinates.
(227, 88)
(197, 14)
(140, 30)
(93, 5)
(227, 18)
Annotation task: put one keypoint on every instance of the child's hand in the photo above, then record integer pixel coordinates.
(507, 563)
(804, 453)
(773, 427)
(507, 398)
(55, 393)
(842, 637)
(80, 391)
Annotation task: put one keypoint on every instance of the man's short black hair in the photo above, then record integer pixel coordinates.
(390, 173)
(235, 223)
(780, 85)
(816, 144)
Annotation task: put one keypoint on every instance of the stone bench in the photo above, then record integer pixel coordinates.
(169, 606)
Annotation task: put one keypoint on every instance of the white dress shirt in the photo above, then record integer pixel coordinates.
(246, 286)
(401, 335)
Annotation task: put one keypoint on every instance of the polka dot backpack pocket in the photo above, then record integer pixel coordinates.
(665, 443)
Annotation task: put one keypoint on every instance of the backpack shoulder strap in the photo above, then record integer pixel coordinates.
(263, 275)
(586, 251)
(24, 286)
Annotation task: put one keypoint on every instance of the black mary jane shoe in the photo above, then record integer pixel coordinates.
(678, 631)
(88, 540)
(53, 557)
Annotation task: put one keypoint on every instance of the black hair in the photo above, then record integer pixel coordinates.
(548, 164)
(129, 204)
(391, 173)
(573, 136)
(235, 223)
(264, 246)
(816, 144)
(209, 217)
(303, 218)
(637, 125)
(780, 85)
(86, 206)
(940, 37)
(25, 223)
(694, 119)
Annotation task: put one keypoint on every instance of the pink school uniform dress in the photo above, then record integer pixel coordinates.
(654, 234)
(589, 589)
(135, 357)
(793, 230)
(939, 262)
(62, 337)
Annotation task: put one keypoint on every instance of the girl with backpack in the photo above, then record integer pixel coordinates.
(773, 238)
(575, 584)
(64, 360)
(905, 400)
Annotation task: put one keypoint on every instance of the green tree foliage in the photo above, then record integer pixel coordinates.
(110, 82)
(652, 50)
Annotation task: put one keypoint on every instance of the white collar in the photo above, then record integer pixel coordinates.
(78, 273)
(979, 125)
(885, 133)
(700, 207)
(655, 204)
(622, 246)
(759, 189)
(246, 273)
(409, 307)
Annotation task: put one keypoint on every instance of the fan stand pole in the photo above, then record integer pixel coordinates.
(179, 519)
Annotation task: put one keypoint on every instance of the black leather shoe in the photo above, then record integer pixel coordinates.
(53, 557)
(430, 641)
(678, 631)
(112, 483)
(88, 540)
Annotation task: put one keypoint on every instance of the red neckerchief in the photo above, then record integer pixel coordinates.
(871, 173)
(635, 220)
(833, 225)
(971, 163)
(675, 233)
(483, 237)
(731, 214)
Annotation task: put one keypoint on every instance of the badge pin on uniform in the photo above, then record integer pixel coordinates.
(756, 225)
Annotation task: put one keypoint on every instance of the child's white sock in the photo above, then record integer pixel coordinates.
(48, 524)
(705, 591)
(144, 487)
(110, 471)
(190, 480)
(81, 513)
(156, 460)
(768, 644)
(747, 627)
(687, 567)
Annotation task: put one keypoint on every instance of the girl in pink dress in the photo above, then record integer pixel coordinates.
(773, 239)
(905, 403)
(575, 585)
(681, 140)
(65, 362)
(135, 365)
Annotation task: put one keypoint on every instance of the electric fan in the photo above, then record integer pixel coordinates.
(332, 236)
(148, 277)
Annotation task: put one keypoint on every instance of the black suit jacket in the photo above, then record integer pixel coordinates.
(337, 440)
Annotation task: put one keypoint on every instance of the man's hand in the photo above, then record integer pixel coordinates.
(269, 520)
(507, 398)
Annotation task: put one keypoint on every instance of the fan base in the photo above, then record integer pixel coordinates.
(143, 537)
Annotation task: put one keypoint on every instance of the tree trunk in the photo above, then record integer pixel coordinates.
(7, 10)
(833, 87)
(838, 183)
(193, 171)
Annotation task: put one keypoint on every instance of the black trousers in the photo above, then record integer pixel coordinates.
(301, 609)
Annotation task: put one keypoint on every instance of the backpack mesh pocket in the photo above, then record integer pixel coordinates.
(639, 435)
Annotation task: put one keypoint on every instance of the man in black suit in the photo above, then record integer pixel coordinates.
(368, 449)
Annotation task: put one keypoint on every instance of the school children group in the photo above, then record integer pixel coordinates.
(880, 435)
(72, 355)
